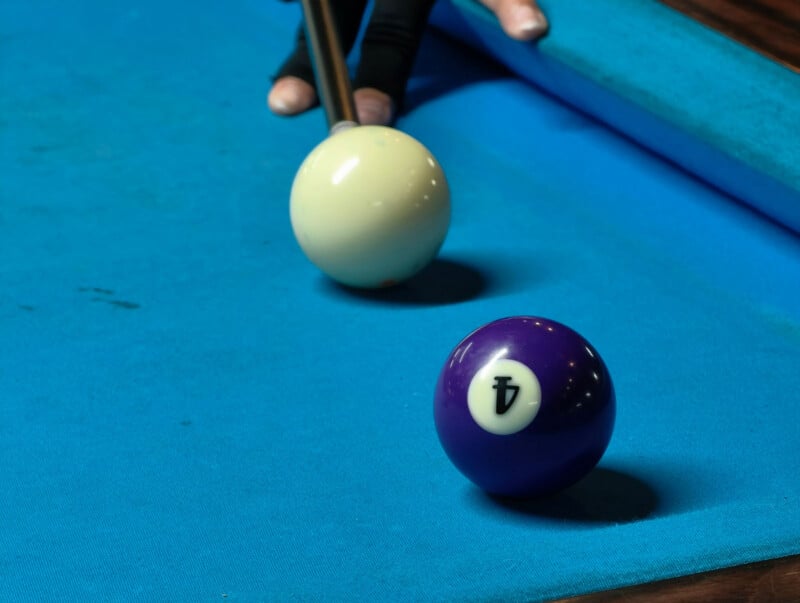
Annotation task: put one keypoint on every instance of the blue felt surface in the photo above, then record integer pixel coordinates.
(191, 412)
(704, 101)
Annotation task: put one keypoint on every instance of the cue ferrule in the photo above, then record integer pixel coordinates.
(342, 126)
(330, 68)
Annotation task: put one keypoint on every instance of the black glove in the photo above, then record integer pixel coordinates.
(388, 49)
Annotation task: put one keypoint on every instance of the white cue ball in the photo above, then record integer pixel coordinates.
(370, 206)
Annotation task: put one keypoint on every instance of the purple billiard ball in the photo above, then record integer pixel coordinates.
(524, 407)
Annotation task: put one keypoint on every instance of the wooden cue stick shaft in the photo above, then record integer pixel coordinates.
(330, 68)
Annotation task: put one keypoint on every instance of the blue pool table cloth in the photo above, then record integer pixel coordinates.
(191, 412)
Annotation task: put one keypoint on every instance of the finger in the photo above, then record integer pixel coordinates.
(520, 19)
(291, 95)
(374, 108)
(390, 45)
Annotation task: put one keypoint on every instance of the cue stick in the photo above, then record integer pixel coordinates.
(330, 68)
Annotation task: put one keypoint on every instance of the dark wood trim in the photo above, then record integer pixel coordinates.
(777, 580)
(771, 27)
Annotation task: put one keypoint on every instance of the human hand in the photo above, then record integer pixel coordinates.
(388, 51)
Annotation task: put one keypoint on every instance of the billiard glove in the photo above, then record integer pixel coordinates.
(389, 47)
(392, 37)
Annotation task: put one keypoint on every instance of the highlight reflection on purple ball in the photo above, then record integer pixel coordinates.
(524, 406)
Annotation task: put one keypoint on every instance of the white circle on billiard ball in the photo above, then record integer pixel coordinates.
(504, 396)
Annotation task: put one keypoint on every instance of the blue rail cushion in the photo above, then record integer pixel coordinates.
(709, 104)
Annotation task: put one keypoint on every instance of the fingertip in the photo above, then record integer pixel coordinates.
(374, 108)
(291, 96)
(524, 22)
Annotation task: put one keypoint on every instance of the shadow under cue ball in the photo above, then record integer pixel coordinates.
(370, 206)
(524, 407)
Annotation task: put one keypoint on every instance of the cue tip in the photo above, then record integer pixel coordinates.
(341, 126)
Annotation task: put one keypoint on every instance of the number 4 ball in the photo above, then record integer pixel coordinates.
(524, 407)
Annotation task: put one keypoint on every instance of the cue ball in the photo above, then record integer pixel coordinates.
(370, 206)
(524, 407)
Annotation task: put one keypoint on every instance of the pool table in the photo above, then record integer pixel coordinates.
(192, 412)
